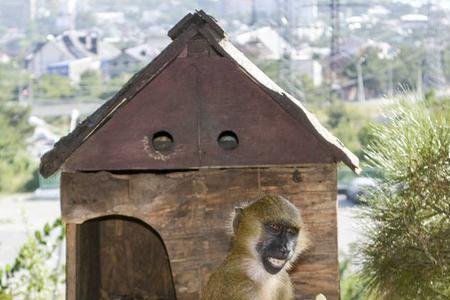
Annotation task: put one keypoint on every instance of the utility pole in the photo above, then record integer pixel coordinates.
(334, 43)
(254, 13)
(287, 25)
(361, 92)
(419, 83)
(31, 90)
(391, 82)
(433, 74)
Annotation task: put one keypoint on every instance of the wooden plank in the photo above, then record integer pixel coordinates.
(190, 210)
(231, 101)
(291, 105)
(178, 28)
(71, 261)
(125, 142)
(88, 276)
(199, 18)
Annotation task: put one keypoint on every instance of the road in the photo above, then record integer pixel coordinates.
(60, 109)
(22, 214)
(349, 225)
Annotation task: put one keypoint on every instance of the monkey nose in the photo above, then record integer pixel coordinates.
(284, 250)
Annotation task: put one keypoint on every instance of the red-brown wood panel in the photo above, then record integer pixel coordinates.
(191, 212)
(267, 135)
(167, 103)
(195, 99)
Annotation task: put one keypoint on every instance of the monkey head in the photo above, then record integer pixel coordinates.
(270, 230)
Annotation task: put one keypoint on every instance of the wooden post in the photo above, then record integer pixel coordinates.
(71, 261)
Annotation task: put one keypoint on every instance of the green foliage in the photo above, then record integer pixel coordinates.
(313, 95)
(16, 168)
(406, 67)
(54, 87)
(346, 121)
(376, 69)
(372, 72)
(270, 68)
(11, 80)
(37, 272)
(91, 84)
(352, 287)
(446, 62)
(407, 250)
(114, 85)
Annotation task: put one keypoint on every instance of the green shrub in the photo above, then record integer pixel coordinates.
(407, 250)
(16, 166)
(38, 270)
(51, 86)
(91, 84)
(352, 287)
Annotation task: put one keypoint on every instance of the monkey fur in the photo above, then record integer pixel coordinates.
(268, 236)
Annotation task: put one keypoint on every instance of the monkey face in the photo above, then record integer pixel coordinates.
(277, 246)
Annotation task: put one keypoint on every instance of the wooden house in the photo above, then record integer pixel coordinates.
(149, 179)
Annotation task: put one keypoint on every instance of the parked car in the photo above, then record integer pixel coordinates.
(358, 187)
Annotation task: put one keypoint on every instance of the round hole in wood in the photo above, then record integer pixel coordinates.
(228, 140)
(162, 141)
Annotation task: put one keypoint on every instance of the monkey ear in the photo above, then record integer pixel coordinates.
(237, 218)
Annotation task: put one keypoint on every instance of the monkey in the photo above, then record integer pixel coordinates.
(268, 236)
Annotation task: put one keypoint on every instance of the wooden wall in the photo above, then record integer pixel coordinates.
(190, 210)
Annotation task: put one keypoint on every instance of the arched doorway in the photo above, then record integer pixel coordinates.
(121, 258)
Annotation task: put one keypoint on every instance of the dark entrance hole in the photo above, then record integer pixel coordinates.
(162, 141)
(121, 258)
(228, 140)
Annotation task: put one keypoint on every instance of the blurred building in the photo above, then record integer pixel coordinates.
(130, 60)
(70, 54)
(265, 44)
(67, 14)
(307, 12)
(17, 13)
(262, 43)
(4, 58)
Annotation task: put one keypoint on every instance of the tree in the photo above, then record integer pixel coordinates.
(54, 87)
(12, 78)
(91, 83)
(345, 121)
(407, 250)
(114, 85)
(16, 168)
(374, 75)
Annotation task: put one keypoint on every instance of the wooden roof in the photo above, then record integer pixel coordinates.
(194, 24)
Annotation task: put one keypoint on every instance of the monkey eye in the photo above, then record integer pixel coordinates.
(275, 228)
(292, 231)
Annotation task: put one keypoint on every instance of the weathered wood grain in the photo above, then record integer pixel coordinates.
(198, 18)
(190, 211)
(71, 261)
(291, 105)
(125, 141)
(215, 97)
